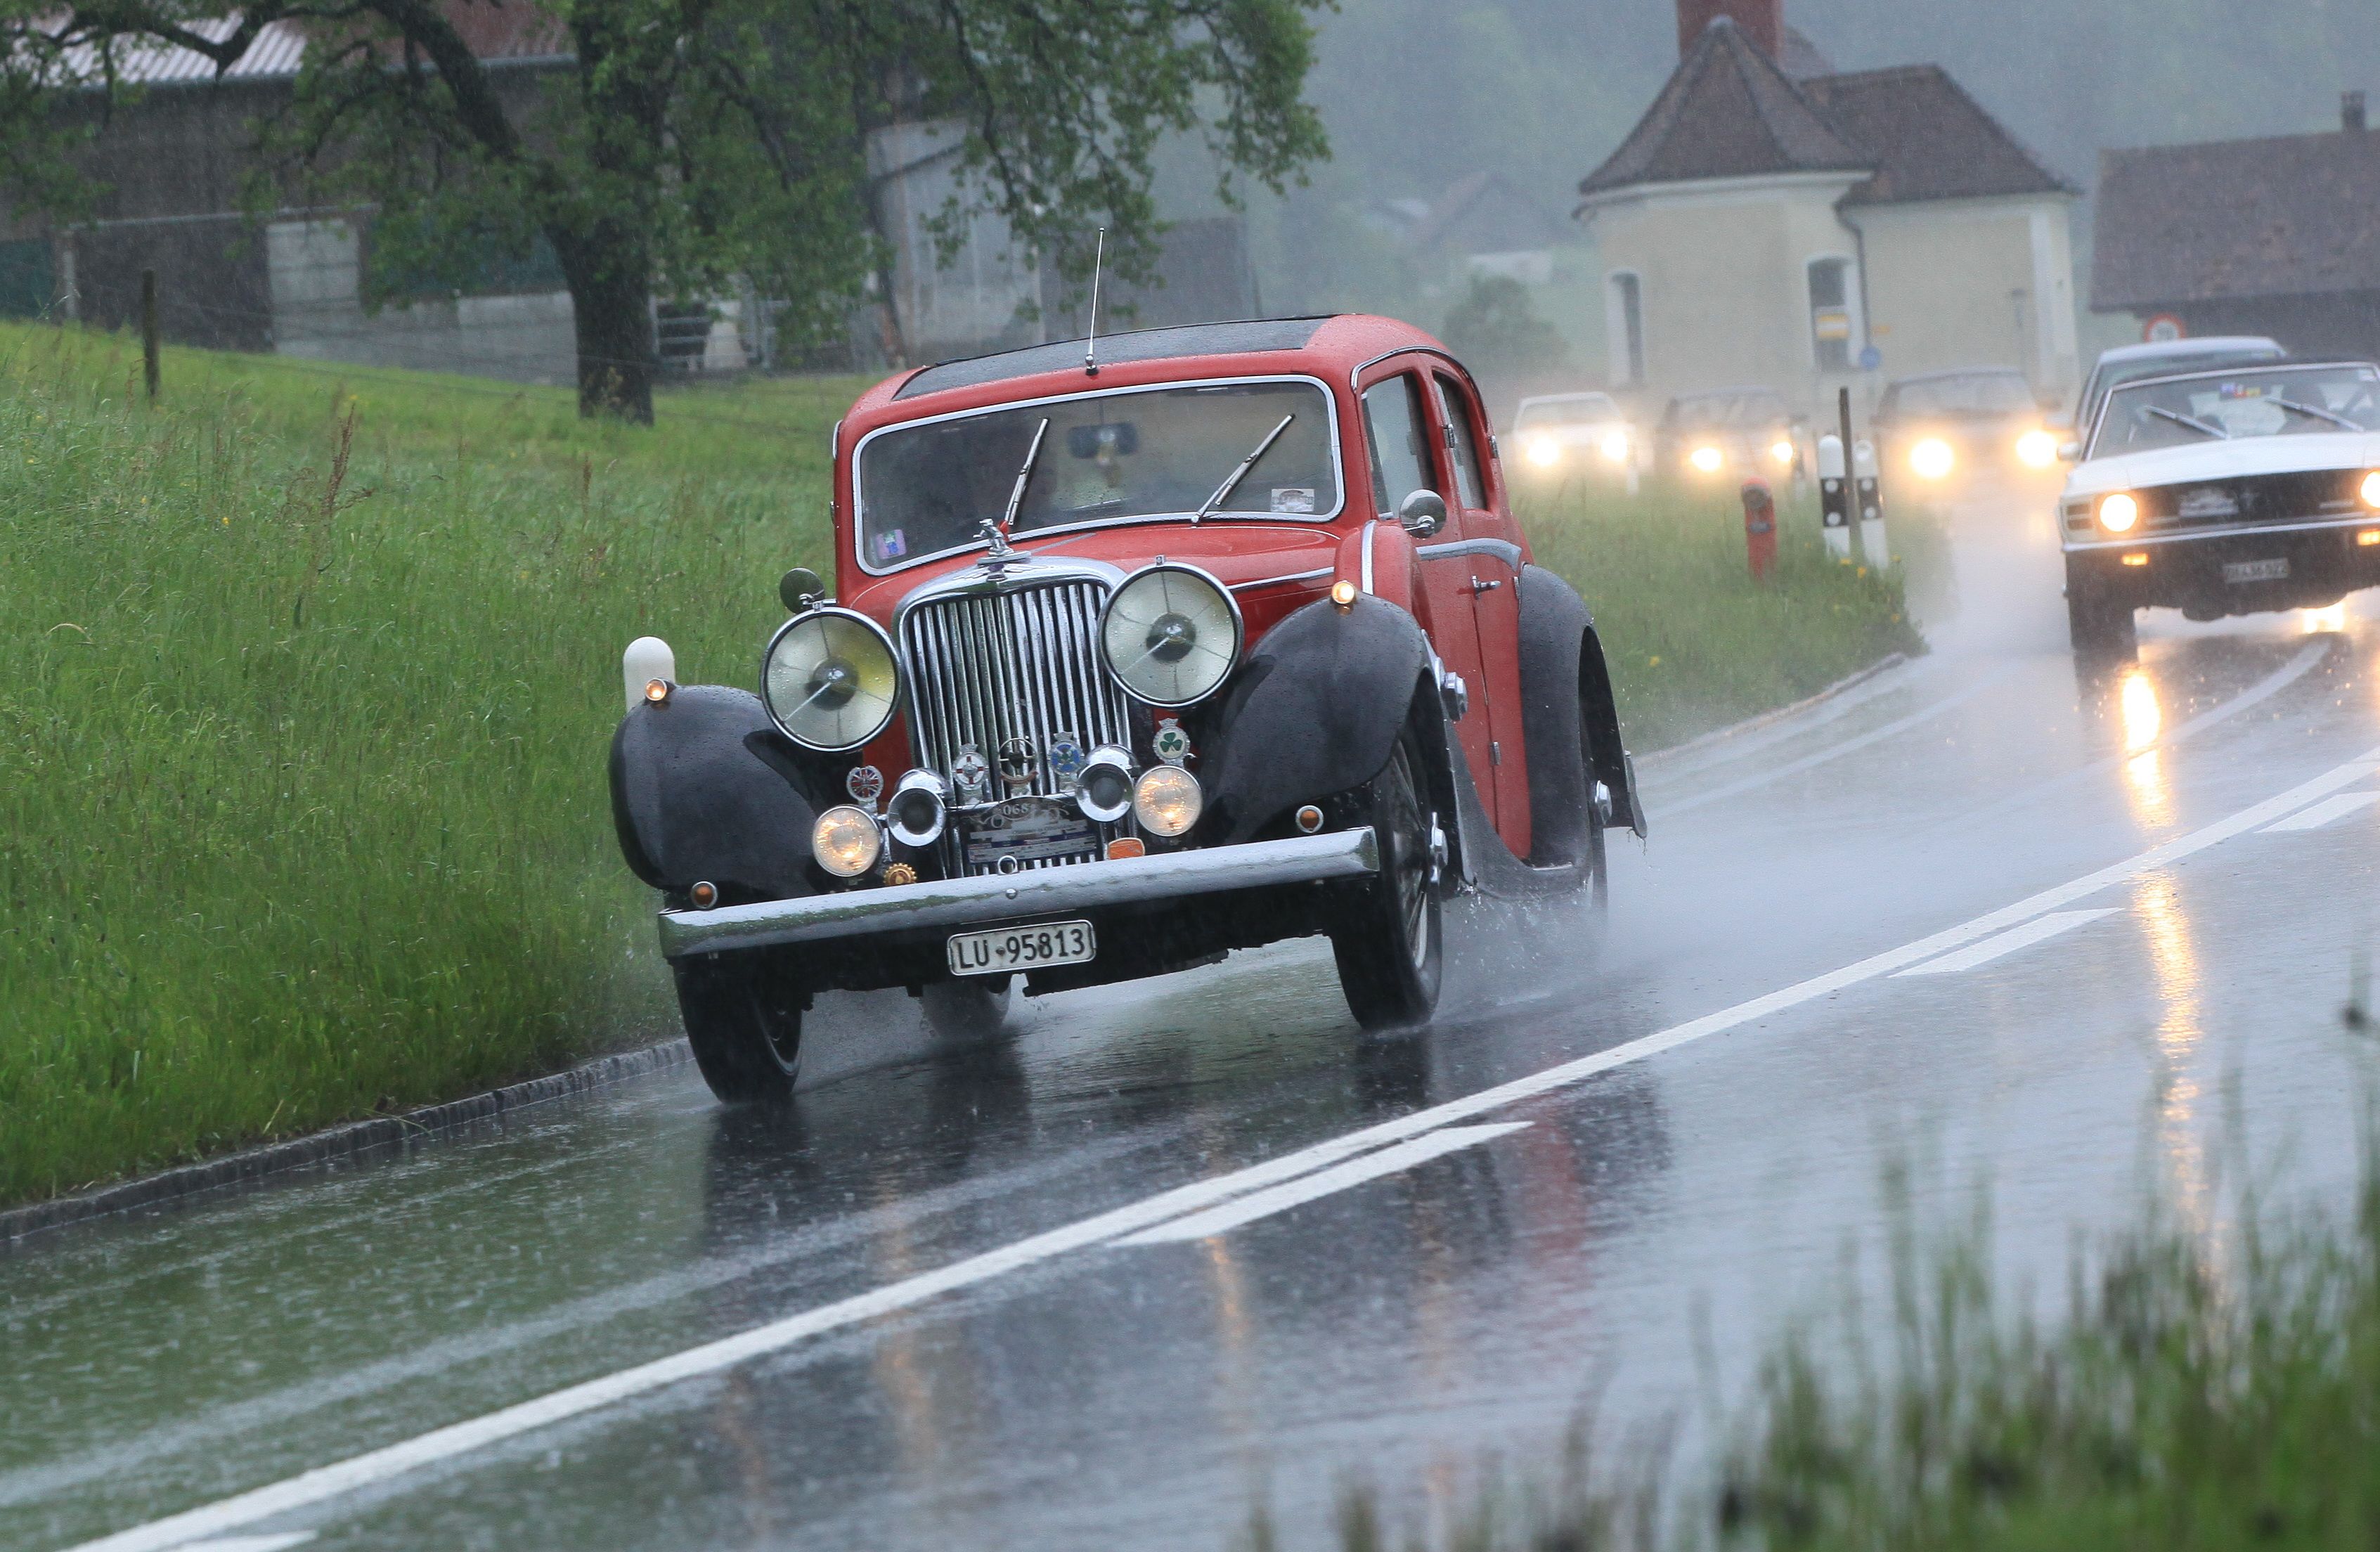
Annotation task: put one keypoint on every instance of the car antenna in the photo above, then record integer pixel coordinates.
(1091, 340)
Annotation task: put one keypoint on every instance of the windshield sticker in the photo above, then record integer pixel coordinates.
(890, 545)
(1292, 498)
(2243, 390)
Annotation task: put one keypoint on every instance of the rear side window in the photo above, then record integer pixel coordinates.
(1399, 433)
(1464, 445)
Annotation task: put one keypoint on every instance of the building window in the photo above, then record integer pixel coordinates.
(1625, 307)
(1830, 313)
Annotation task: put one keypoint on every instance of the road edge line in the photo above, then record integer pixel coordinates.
(1759, 720)
(346, 1141)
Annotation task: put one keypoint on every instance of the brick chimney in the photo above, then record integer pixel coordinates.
(2350, 112)
(1762, 21)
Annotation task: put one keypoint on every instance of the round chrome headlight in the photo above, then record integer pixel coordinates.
(831, 680)
(1171, 634)
(1166, 800)
(846, 841)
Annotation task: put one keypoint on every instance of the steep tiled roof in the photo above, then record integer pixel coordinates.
(1930, 140)
(2293, 215)
(1726, 112)
(1729, 112)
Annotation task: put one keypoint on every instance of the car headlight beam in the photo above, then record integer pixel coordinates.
(830, 679)
(1171, 635)
(1166, 800)
(2370, 489)
(2119, 512)
(2036, 449)
(1706, 458)
(1615, 447)
(1932, 458)
(846, 841)
(1542, 451)
(1781, 449)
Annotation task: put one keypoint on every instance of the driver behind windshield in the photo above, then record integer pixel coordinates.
(2237, 405)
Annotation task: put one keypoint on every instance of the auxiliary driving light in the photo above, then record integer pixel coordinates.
(2371, 488)
(1615, 447)
(846, 841)
(1166, 800)
(2119, 512)
(919, 809)
(2036, 449)
(1706, 459)
(1103, 791)
(1543, 451)
(1932, 458)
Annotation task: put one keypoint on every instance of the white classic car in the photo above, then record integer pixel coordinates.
(2223, 492)
(1566, 433)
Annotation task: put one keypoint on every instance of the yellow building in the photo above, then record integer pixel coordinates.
(1772, 222)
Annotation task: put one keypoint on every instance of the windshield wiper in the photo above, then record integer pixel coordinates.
(2311, 413)
(1223, 492)
(997, 536)
(2201, 426)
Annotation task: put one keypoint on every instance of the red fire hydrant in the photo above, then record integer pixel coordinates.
(1759, 529)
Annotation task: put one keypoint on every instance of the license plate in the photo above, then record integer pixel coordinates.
(2256, 571)
(1007, 949)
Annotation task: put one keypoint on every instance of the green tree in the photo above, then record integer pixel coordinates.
(1496, 329)
(694, 140)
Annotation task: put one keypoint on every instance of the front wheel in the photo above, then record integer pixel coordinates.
(1386, 937)
(744, 1020)
(2098, 623)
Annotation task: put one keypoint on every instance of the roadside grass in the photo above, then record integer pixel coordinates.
(2208, 1389)
(302, 805)
(1693, 642)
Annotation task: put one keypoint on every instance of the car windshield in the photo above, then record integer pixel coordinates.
(2109, 376)
(1716, 410)
(1969, 393)
(2230, 405)
(1585, 410)
(926, 489)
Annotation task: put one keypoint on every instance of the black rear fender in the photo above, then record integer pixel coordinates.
(1570, 718)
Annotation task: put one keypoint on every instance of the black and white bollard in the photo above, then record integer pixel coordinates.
(1871, 504)
(1835, 496)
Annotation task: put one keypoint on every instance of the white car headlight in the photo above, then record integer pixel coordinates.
(831, 680)
(1932, 458)
(1542, 451)
(1171, 635)
(2036, 449)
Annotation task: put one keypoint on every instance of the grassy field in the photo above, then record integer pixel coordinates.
(302, 811)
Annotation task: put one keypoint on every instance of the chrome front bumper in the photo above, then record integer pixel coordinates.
(959, 903)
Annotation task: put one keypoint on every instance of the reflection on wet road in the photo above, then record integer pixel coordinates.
(1171, 1249)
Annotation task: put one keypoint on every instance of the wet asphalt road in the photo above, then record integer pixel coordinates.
(1636, 1234)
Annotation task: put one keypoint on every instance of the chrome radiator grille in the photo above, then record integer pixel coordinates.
(987, 668)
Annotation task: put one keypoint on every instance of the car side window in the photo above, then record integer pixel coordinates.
(1399, 433)
(1466, 441)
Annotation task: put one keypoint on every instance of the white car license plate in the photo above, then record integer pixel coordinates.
(2274, 570)
(1005, 949)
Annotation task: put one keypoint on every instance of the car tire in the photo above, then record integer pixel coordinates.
(1387, 934)
(743, 1019)
(968, 1010)
(2096, 623)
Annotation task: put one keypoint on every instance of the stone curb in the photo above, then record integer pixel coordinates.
(338, 1141)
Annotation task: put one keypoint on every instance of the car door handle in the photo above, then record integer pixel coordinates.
(1477, 587)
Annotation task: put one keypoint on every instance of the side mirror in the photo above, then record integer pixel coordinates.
(799, 588)
(2070, 452)
(1422, 513)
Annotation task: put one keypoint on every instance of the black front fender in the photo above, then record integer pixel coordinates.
(1315, 711)
(693, 799)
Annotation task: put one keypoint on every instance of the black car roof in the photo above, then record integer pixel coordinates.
(1139, 344)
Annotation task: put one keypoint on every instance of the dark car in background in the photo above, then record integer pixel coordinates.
(1736, 432)
(1939, 426)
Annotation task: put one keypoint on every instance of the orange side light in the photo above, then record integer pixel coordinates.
(2138, 557)
(2368, 538)
(1127, 846)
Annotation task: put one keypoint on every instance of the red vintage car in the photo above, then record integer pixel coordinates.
(1218, 636)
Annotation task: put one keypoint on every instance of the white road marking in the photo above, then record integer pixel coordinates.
(274, 1541)
(2326, 811)
(324, 1482)
(2008, 942)
(1281, 1198)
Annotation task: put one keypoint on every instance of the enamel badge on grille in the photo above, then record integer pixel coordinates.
(1067, 757)
(866, 784)
(972, 774)
(1170, 744)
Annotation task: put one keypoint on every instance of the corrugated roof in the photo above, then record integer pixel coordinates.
(1727, 111)
(2293, 215)
(494, 31)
